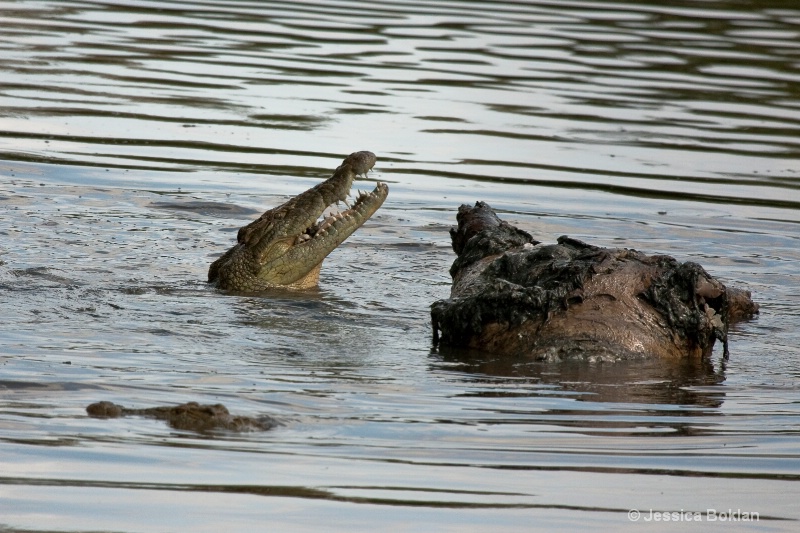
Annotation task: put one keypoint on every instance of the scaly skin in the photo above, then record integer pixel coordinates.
(190, 416)
(285, 247)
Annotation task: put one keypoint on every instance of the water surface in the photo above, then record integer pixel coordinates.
(136, 138)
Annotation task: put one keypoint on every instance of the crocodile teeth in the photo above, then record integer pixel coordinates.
(332, 214)
(303, 237)
(326, 223)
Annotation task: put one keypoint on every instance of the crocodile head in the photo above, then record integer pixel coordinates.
(286, 245)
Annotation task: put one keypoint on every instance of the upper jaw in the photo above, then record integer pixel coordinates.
(299, 234)
(300, 213)
(325, 197)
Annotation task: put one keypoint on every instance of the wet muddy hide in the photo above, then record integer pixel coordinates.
(515, 296)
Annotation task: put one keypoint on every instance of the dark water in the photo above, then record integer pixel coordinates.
(135, 138)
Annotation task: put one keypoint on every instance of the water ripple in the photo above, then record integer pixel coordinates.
(136, 138)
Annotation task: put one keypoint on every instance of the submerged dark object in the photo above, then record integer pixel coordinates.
(190, 416)
(512, 295)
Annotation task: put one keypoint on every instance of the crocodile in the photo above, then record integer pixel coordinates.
(514, 296)
(191, 416)
(286, 245)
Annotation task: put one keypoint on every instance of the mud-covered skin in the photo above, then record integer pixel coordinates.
(285, 247)
(512, 295)
(190, 416)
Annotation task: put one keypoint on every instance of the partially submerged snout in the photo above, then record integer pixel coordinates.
(287, 244)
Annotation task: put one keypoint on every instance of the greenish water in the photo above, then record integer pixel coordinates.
(136, 138)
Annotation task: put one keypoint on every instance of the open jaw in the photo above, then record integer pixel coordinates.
(286, 245)
(299, 263)
(331, 221)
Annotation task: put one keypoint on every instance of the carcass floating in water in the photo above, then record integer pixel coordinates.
(512, 295)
